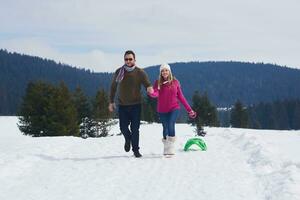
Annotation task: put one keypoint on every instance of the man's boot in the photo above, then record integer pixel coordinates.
(127, 144)
(137, 154)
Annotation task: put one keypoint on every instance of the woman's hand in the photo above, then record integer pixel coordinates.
(192, 114)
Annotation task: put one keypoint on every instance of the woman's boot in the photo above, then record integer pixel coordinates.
(171, 145)
(164, 141)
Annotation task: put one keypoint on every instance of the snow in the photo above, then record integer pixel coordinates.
(238, 164)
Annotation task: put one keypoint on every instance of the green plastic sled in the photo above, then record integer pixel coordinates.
(197, 141)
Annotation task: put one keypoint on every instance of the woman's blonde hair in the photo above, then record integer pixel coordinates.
(161, 80)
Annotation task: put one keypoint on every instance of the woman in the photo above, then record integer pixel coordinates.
(167, 90)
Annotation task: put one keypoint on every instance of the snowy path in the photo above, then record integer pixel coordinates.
(239, 164)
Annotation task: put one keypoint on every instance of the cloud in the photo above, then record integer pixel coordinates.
(96, 60)
(95, 34)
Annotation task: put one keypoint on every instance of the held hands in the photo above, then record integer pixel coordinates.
(192, 114)
(150, 90)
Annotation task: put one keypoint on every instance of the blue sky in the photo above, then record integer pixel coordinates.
(94, 34)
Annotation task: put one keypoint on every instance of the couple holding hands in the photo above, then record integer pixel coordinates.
(127, 82)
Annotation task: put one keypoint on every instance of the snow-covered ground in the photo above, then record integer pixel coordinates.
(238, 164)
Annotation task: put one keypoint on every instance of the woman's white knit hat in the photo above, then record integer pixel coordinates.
(165, 66)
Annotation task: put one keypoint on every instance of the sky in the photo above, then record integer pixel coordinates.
(94, 34)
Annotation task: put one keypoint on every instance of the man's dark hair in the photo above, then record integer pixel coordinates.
(129, 52)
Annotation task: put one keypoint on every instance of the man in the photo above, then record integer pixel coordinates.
(129, 79)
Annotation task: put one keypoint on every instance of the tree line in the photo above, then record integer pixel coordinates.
(279, 115)
(53, 110)
(225, 82)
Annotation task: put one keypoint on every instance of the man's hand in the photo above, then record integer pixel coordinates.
(111, 107)
(150, 90)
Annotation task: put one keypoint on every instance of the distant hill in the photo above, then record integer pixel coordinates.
(17, 70)
(225, 82)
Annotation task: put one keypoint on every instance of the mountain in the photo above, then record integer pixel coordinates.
(224, 82)
(17, 70)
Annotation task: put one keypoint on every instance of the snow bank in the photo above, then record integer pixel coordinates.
(239, 164)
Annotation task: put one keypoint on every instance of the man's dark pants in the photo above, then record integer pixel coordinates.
(130, 115)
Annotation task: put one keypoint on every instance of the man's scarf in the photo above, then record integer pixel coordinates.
(121, 73)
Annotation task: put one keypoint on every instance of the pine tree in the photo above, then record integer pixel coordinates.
(34, 112)
(269, 120)
(101, 113)
(82, 104)
(149, 110)
(253, 118)
(48, 111)
(83, 107)
(88, 128)
(296, 116)
(207, 113)
(281, 115)
(210, 112)
(100, 106)
(63, 118)
(239, 116)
